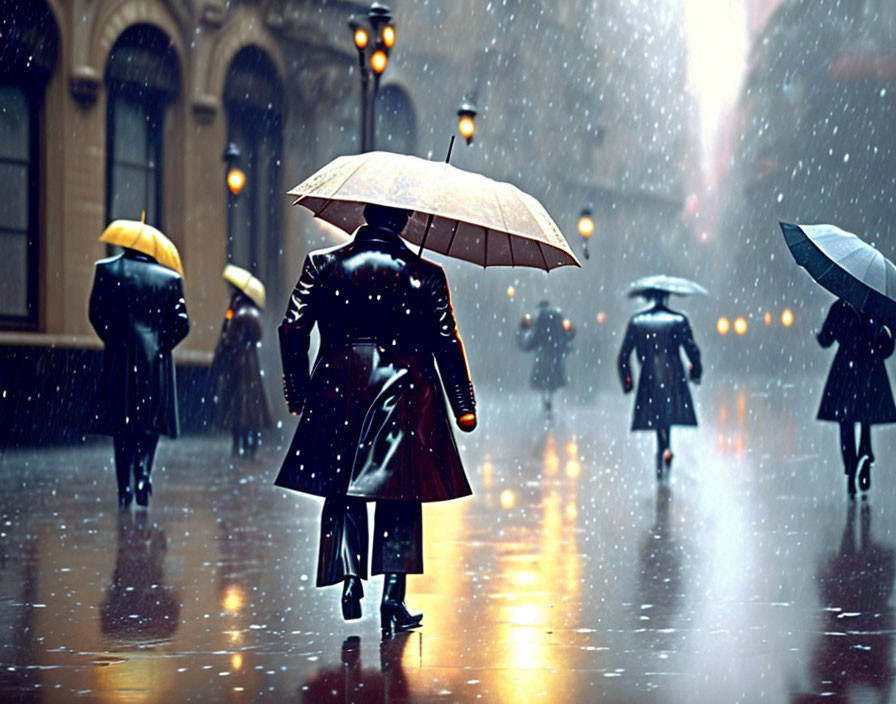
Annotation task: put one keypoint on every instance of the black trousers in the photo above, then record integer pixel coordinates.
(344, 539)
(852, 454)
(134, 455)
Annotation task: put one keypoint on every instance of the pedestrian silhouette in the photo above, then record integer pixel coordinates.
(858, 388)
(550, 336)
(242, 405)
(663, 398)
(137, 308)
(374, 426)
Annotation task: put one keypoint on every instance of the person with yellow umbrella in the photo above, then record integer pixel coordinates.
(138, 310)
(242, 405)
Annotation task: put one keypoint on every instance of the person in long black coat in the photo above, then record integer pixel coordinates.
(858, 388)
(138, 310)
(373, 425)
(242, 405)
(663, 399)
(550, 335)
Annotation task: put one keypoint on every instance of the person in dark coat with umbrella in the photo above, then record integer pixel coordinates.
(374, 425)
(550, 335)
(663, 398)
(858, 388)
(137, 308)
(242, 402)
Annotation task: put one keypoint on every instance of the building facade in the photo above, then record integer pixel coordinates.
(113, 108)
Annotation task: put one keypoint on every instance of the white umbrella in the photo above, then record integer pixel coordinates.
(474, 218)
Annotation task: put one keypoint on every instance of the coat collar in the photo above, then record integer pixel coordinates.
(367, 233)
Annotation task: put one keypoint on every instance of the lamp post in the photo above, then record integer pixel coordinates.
(586, 229)
(374, 39)
(235, 179)
(466, 119)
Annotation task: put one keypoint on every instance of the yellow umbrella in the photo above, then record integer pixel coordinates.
(135, 234)
(246, 283)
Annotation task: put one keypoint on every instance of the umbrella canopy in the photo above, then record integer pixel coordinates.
(134, 234)
(473, 217)
(665, 284)
(246, 283)
(846, 266)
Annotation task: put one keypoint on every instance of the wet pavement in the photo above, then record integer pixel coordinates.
(570, 575)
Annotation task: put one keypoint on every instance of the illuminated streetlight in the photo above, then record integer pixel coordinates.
(787, 317)
(511, 291)
(723, 325)
(466, 120)
(740, 325)
(768, 319)
(373, 39)
(601, 317)
(586, 229)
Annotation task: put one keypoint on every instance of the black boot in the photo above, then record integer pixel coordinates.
(143, 490)
(352, 593)
(394, 615)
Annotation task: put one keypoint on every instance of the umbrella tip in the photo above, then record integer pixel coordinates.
(142, 217)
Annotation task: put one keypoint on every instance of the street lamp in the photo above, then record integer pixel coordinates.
(466, 119)
(235, 178)
(586, 229)
(374, 40)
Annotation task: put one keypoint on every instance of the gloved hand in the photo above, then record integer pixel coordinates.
(467, 422)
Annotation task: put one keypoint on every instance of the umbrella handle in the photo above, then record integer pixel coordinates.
(429, 219)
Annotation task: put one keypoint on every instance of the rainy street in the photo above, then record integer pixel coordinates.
(569, 575)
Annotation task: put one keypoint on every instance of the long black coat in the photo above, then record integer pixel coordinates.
(858, 388)
(551, 341)
(373, 420)
(241, 398)
(137, 308)
(663, 398)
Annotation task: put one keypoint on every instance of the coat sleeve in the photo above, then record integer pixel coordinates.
(295, 337)
(99, 306)
(828, 334)
(691, 350)
(448, 348)
(176, 324)
(623, 361)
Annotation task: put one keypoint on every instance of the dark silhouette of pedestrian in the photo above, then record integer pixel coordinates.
(858, 388)
(374, 426)
(137, 308)
(242, 405)
(549, 334)
(663, 398)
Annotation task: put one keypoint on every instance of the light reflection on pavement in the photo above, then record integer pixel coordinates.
(570, 575)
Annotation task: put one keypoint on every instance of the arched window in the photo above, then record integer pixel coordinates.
(28, 51)
(396, 123)
(253, 96)
(142, 78)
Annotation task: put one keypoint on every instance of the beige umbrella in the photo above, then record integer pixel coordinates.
(246, 283)
(135, 234)
(473, 217)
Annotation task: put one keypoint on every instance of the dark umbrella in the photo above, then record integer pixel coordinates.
(665, 284)
(846, 266)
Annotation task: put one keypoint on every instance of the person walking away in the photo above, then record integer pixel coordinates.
(663, 399)
(373, 424)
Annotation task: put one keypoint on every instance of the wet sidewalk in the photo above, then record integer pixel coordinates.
(570, 575)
